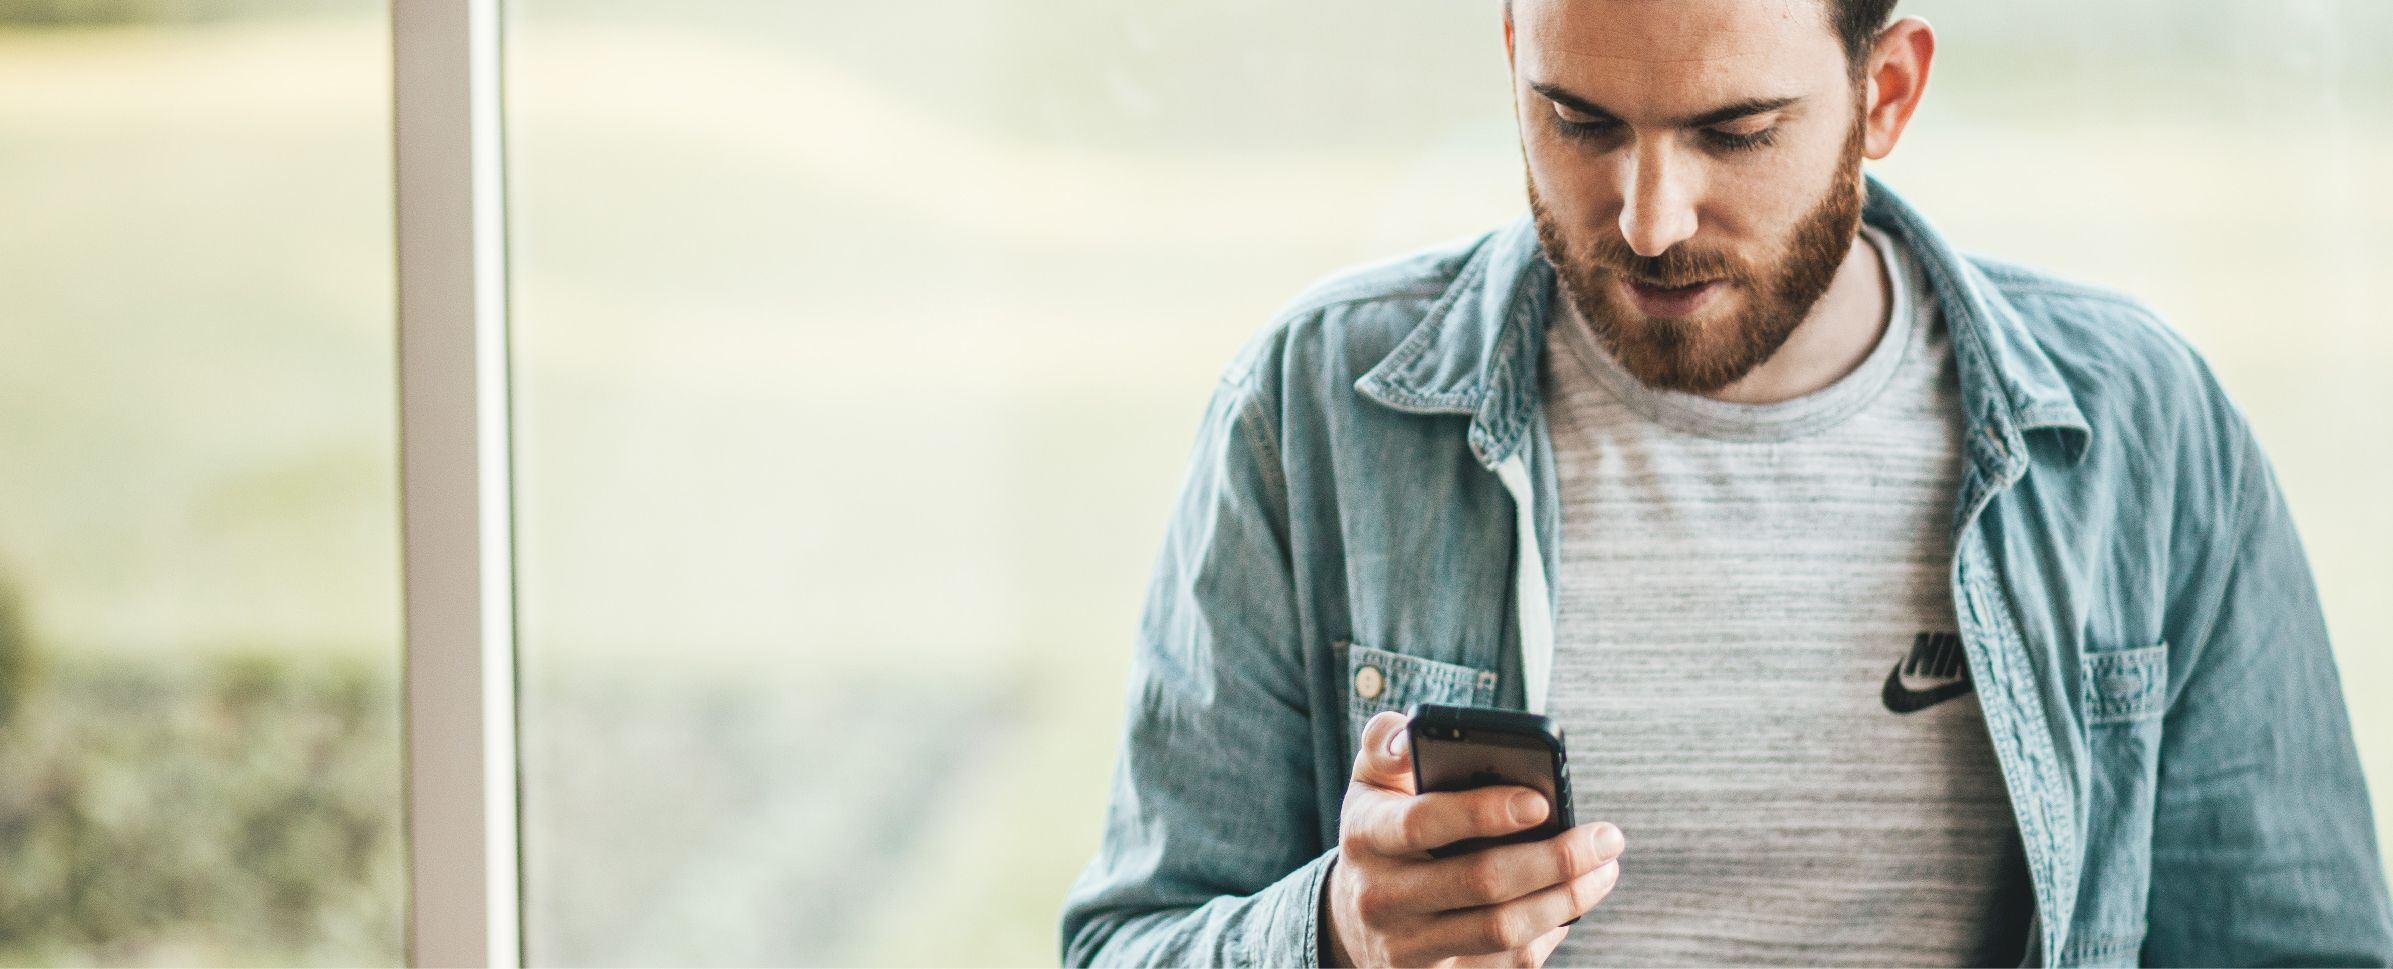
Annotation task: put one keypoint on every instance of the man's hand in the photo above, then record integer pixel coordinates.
(1387, 903)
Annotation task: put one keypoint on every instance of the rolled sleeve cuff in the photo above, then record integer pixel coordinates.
(1291, 927)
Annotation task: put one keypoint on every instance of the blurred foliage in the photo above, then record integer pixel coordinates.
(83, 12)
(237, 811)
(13, 654)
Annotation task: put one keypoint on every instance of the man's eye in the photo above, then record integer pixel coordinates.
(1576, 125)
(1733, 141)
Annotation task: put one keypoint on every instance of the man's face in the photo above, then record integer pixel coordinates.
(1694, 172)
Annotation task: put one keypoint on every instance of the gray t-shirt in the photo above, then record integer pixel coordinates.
(1757, 670)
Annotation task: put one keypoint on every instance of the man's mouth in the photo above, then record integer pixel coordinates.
(1669, 301)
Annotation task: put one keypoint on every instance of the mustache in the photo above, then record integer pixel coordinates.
(1676, 268)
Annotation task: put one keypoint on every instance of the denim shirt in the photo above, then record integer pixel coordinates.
(1374, 484)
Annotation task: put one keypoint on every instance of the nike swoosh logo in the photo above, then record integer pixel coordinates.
(1903, 700)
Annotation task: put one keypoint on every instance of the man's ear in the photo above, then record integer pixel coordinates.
(1897, 78)
(1508, 35)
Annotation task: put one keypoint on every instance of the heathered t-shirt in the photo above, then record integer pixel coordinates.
(1756, 665)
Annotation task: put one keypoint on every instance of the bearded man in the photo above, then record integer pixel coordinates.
(1900, 608)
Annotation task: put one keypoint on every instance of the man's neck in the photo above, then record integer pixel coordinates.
(1844, 326)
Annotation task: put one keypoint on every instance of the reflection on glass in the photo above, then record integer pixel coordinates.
(858, 349)
(198, 528)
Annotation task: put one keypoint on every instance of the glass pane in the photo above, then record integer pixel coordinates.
(858, 352)
(199, 598)
(855, 370)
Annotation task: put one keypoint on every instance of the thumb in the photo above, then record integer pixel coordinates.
(1384, 758)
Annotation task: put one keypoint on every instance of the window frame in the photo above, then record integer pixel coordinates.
(462, 783)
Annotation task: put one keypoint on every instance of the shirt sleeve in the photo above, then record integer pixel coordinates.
(1211, 851)
(2264, 849)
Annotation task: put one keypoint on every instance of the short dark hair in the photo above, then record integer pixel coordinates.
(1856, 24)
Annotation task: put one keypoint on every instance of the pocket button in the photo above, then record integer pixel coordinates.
(1368, 682)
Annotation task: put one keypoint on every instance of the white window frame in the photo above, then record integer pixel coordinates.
(464, 895)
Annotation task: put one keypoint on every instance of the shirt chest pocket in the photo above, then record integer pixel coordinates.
(2126, 693)
(1378, 679)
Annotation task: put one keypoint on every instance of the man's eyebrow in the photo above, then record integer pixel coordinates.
(1725, 113)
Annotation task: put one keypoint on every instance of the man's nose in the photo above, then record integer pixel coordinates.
(1657, 210)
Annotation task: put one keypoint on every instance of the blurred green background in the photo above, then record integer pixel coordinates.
(857, 355)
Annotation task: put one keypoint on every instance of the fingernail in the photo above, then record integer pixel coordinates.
(1398, 741)
(1527, 808)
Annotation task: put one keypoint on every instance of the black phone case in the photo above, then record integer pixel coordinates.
(1475, 720)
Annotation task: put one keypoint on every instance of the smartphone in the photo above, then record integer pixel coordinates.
(1462, 748)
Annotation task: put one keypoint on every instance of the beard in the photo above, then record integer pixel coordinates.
(1698, 355)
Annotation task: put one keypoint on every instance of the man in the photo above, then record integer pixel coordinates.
(1899, 608)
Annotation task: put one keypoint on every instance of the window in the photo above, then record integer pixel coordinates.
(199, 597)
